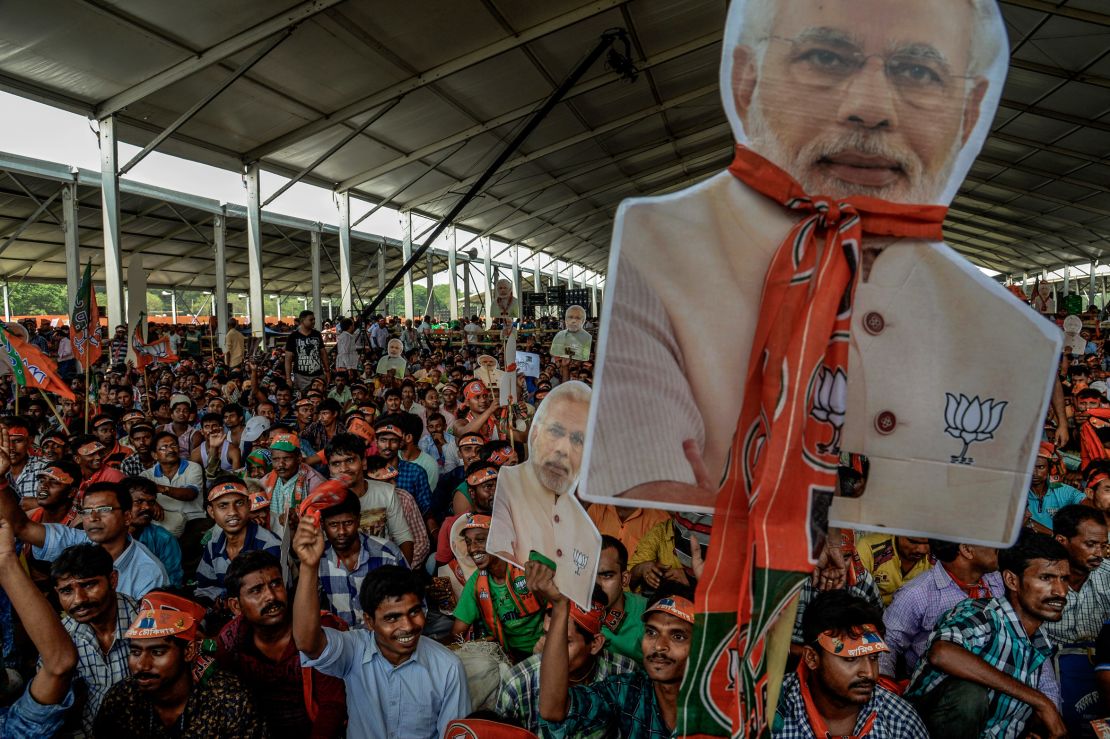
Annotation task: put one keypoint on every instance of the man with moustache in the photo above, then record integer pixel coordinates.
(161, 543)
(161, 697)
(97, 618)
(534, 511)
(835, 691)
(980, 669)
(641, 703)
(257, 646)
(141, 438)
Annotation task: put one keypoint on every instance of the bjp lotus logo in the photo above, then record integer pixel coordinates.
(830, 400)
(971, 420)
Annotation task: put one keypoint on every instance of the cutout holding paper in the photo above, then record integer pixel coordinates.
(850, 98)
(534, 508)
(573, 342)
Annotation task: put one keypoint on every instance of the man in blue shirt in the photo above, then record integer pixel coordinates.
(105, 513)
(1047, 496)
(161, 543)
(229, 507)
(412, 687)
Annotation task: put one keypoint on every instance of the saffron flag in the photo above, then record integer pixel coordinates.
(85, 331)
(30, 367)
(155, 351)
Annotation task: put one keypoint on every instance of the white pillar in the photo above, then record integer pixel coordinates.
(466, 289)
(537, 283)
(109, 194)
(1091, 292)
(487, 263)
(173, 305)
(277, 302)
(314, 245)
(254, 254)
(72, 241)
(517, 285)
(453, 271)
(593, 297)
(7, 308)
(219, 296)
(345, 253)
(406, 252)
(1067, 280)
(429, 304)
(381, 267)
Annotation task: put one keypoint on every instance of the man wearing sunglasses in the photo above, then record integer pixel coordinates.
(105, 514)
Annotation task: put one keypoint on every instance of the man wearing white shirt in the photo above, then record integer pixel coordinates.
(440, 445)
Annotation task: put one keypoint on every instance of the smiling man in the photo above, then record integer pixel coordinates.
(410, 684)
(982, 662)
(534, 509)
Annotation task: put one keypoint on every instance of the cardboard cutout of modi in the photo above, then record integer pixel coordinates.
(534, 507)
(803, 302)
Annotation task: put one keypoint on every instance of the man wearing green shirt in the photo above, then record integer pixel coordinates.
(622, 624)
(497, 595)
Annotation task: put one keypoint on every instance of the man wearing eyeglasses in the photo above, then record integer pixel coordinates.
(105, 513)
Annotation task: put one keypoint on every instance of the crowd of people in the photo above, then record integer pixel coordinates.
(292, 543)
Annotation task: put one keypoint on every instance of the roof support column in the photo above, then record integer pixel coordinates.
(344, 254)
(453, 271)
(72, 241)
(314, 247)
(487, 271)
(593, 297)
(406, 253)
(381, 267)
(1067, 279)
(466, 289)
(517, 286)
(429, 305)
(219, 238)
(254, 254)
(1091, 292)
(109, 194)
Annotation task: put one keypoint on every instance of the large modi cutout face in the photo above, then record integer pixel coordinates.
(869, 100)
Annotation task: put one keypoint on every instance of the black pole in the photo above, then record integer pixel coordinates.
(607, 40)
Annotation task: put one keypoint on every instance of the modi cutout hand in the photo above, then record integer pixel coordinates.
(703, 493)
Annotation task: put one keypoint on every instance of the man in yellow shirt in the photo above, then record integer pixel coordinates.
(893, 560)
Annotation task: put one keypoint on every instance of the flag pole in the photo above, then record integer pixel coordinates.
(53, 410)
(86, 394)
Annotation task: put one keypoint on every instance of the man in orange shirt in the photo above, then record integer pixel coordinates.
(628, 525)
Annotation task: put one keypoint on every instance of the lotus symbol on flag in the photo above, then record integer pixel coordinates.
(971, 420)
(830, 400)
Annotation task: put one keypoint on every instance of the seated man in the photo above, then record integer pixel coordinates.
(106, 515)
(982, 664)
(641, 703)
(1046, 493)
(160, 542)
(96, 618)
(161, 698)
(257, 646)
(215, 453)
(291, 480)
(835, 691)
(622, 625)
(589, 661)
(412, 685)
(229, 507)
(893, 560)
(497, 596)
(56, 495)
(962, 571)
(349, 557)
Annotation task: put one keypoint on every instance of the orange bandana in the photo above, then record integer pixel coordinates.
(860, 641)
(783, 458)
(1090, 446)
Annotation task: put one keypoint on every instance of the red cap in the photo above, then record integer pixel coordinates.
(326, 495)
(474, 388)
(590, 620)
(675, 606)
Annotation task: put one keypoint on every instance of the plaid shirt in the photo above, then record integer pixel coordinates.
(519, 697)
(214, 562)
(623, 705)
(98, 670)
(413, 478)
(27, 484)
(339, 586)
(1085, 611)
(894, 717)
(991, 630)
(421, 544)
(134, 466)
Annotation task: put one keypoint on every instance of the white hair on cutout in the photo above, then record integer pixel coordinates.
(573, 391)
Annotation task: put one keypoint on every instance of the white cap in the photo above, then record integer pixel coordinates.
(255, 428)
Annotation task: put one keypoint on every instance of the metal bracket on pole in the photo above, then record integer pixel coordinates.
(616, 61)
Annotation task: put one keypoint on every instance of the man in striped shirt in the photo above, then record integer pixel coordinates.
(982, 660)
